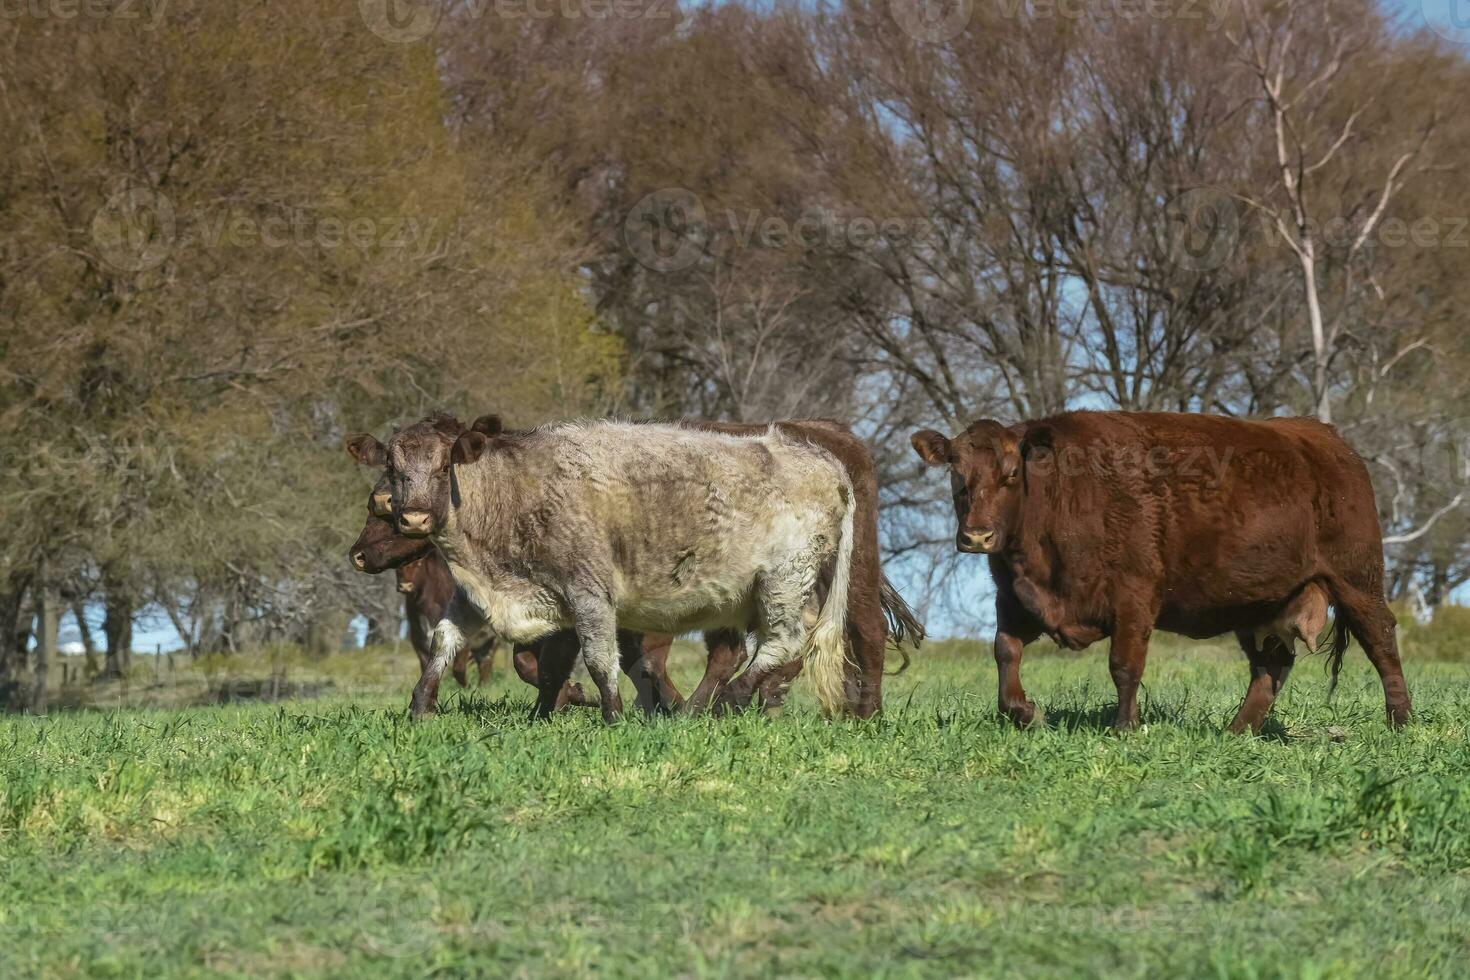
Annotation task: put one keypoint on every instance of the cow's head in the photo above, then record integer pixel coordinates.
(418, 461)
(370, 452)
(411, 575)
(379, 547)
(985, 471)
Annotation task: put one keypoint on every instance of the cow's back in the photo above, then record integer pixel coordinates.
(1221, 517)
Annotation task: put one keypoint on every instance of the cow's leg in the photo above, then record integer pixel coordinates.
(630, 657)
(447, 642)
(527, 667)
(726, 650)
(597, 631)
(776, 647)
(774, 688)
(1126, 657)
(1014, 629)
(554, 657)
(526, 661)
(867, 636)
(1269, 669)
(656, 665)
(1372, 624)
(460, 668)
(484, 662)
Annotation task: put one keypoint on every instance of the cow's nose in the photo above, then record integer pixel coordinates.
(982, 541)
(415, 523)
(405, 587)
(359, 560)
(383, 504)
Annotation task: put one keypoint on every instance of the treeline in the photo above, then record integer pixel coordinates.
(233, 233)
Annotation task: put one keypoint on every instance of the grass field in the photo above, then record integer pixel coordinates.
(330, 836)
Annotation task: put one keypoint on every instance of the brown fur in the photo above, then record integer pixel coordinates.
(1112, 524)
(427, 586)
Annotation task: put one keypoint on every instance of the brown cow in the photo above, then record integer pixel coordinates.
(427, 586)
(1115, 523)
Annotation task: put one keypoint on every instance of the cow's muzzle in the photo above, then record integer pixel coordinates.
(406, 588)
(382, 504)
(415, 523)
(359, 560)
(978, 543)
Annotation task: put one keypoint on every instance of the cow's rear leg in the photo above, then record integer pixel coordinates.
(1126, 657)
(527, 663)
(633, 657)
(726, 649)
(1372, 624)
(777, 647)
(1269, 669)
(656, 648)
(867, 636)
(552, 659)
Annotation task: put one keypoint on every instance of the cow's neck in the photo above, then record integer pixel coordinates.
(487, 558)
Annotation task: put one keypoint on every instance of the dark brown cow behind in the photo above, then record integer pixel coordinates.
(1112, 523)
(427, 585)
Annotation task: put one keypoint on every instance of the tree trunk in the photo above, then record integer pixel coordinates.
(89, 640)
(13, 640)
(117, 627)
(48, 622)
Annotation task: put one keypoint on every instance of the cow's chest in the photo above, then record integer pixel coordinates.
(513, 607)
(1073, 613)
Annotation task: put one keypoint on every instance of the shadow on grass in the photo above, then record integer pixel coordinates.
(1099, 718)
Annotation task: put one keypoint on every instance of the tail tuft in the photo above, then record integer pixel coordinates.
(903, 626)
(1334, 655)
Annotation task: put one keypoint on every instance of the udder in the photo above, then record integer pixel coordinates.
(1303, 618)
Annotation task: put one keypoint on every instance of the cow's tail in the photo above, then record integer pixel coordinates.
(1334, 654)
(903, 626)
(826, 653)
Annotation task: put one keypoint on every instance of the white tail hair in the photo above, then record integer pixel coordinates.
(826, 646)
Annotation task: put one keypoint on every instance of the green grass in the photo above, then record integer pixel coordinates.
(333, 837)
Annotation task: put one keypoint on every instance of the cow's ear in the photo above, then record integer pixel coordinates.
(469, 447)
(490, 425)
(932, 447)
(1038, 442)
(1038, 450)
(447, 424)
(366, 450)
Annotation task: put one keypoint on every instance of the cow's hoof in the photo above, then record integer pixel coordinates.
(1025, 715)
(1398, 715)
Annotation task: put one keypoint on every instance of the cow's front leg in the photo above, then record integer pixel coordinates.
(1126, 657)
(597, 631)
(448, 640)
(1013, 631)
